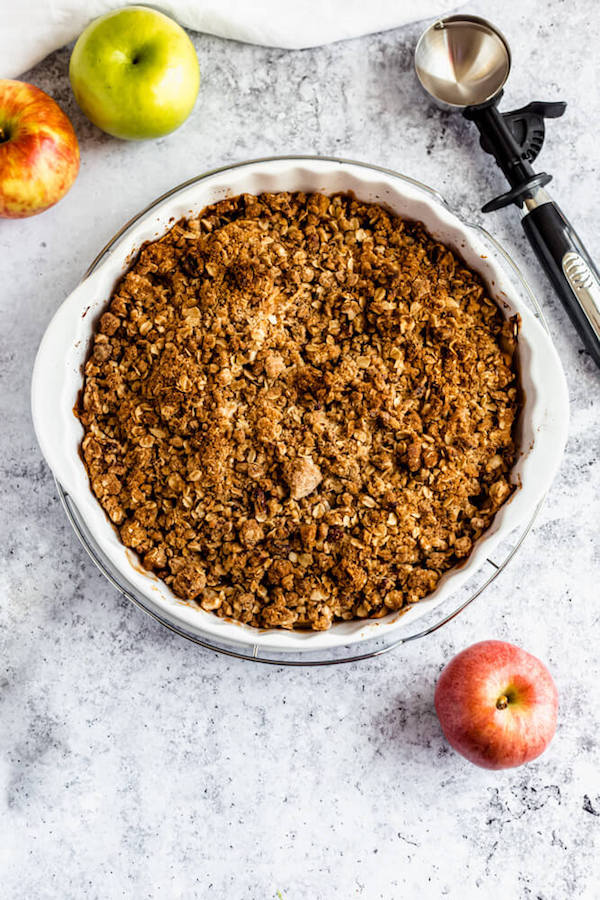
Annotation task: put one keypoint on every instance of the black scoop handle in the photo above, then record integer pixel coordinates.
(570, 269)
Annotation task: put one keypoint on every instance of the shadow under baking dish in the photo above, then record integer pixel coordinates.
(541, 429)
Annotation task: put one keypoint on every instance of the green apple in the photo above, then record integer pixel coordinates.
(134, 73)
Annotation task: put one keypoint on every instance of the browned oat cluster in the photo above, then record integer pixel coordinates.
(299, 409)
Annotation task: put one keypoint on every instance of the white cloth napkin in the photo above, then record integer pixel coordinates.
(31, 29)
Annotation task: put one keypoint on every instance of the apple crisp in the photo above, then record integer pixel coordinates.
(299, 409)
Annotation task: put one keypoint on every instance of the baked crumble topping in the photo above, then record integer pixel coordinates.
(299, 409)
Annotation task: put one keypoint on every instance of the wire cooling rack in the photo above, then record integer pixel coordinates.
(339, 655)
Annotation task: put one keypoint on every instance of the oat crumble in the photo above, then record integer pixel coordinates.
(299, 409)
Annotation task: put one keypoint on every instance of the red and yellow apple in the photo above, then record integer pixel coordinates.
(39, 153)
(134, 73)
(497, 705)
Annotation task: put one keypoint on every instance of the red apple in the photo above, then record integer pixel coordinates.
(497, 705)
(39, 153)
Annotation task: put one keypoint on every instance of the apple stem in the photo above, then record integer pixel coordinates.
(502, 702)
(3, 135)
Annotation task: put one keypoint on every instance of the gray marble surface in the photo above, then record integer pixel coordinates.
(134, 764)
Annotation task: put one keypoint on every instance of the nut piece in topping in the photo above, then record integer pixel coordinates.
(189, 581)
(251, 533)
(302, 477)
(274, 365)
(414, 455)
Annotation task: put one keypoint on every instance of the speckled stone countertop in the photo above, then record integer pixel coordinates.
(134, 764)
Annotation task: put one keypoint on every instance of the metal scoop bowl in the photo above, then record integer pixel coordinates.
(462, 61)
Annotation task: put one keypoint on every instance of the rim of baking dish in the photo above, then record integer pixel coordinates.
(543, 421)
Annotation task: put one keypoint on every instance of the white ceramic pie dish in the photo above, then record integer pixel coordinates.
(57, 379)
